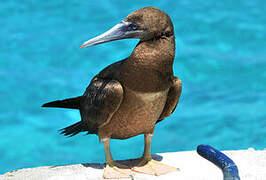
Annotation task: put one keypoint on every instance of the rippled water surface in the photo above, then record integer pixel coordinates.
(220, 58)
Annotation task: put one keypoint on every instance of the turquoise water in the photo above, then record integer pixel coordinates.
(221, 60)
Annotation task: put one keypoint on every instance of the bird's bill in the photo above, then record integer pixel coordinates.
(122, 30)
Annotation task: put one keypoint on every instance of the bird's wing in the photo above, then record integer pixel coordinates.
(172, 99)
(100, 101)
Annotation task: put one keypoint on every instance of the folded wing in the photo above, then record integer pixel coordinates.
(172, 99)
(100, 101)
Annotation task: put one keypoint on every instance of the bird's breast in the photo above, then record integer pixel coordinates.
(137, 114)
(150, 97)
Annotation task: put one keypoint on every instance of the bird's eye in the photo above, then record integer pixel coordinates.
(132, 26)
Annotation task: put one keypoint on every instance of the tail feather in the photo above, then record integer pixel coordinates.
(74, 129)
(71, 103)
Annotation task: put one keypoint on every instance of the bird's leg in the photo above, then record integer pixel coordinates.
(147, 165)
(114, 170)
(147, 147)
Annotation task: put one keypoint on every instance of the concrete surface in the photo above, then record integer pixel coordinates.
(251, 165)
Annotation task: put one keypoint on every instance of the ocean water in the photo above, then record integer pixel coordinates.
(220, 58)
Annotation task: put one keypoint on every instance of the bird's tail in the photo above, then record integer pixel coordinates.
(74, 129)
(71, 103)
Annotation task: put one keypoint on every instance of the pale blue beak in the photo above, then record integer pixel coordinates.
(123, 30)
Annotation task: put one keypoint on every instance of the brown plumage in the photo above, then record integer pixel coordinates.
(129, 97)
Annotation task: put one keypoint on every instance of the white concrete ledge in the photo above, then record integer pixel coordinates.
(251, 165)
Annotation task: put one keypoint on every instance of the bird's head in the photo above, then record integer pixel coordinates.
(144, 24)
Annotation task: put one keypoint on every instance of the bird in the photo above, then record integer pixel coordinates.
(130, 96)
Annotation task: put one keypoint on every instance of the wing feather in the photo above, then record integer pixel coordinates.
(100, 101)
(172, 99)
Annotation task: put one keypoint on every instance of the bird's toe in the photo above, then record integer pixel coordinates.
(117, 171)
(153, 167)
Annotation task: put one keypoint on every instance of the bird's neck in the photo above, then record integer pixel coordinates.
(151, 63)
(156, 53)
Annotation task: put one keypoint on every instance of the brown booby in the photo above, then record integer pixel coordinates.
(129, 97)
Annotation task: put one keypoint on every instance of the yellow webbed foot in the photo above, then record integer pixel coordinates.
(116, 170)
(153, 167)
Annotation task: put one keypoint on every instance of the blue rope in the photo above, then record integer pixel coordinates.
(218, 158)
